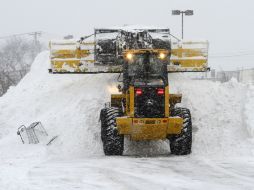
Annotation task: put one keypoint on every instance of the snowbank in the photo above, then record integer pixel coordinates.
(217, 114)
(69, 106)
(249, 110)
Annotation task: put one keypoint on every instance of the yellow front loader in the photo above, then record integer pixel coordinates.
(144, 109)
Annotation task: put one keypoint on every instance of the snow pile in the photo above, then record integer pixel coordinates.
(217, 114)
(249, 110)
(69, 106)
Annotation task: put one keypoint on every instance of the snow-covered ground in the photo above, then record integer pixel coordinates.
(249, 108)
(69, 105)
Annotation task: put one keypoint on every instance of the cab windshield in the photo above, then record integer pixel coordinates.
(147, 68)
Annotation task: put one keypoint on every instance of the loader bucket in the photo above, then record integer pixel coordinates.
(189, 56)
(70, 56)
(104, 53)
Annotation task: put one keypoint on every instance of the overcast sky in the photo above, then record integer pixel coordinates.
(227, 24)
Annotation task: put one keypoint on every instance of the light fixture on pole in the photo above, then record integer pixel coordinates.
(186, 13)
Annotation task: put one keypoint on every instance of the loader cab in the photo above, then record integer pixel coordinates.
(145, 68)
(146, 72)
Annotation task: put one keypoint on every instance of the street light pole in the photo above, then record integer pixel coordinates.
(182, 25)
(186, 13)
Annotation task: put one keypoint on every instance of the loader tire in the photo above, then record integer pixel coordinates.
(113, 143)
(181, 144)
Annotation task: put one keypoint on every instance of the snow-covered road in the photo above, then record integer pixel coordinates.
(68, 106)
(129, 172)
(160, 172)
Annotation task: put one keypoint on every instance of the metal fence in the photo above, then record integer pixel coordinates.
(245, 76)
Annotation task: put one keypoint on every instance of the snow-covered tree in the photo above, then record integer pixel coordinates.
(16, 56)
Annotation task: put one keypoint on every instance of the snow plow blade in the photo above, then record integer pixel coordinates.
(189, 56)
(68, 56)
(104, 53)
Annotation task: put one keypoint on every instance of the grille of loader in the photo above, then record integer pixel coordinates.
(149, 104)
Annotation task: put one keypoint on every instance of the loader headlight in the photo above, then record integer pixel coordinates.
(162, 55)
(129, 56)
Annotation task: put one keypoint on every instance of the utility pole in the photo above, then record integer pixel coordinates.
(35, 36)
(182, 25)
(36, 41)
(186, 13)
